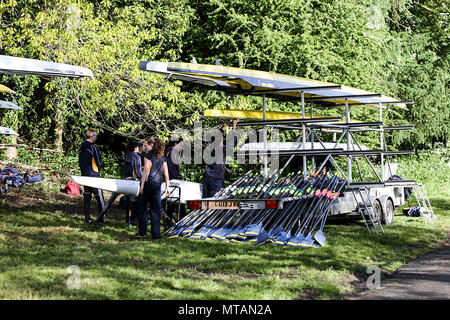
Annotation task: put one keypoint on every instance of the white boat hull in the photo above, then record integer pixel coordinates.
(121, 186)
(5, 130)
(189, 190)
(16, 65)
(9, 105)
(291, 146)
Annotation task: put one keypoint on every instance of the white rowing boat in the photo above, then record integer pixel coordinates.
(292, 146)
(5, 130)
(16, 65)
(121, 186)
(182, 190)
(9, 105)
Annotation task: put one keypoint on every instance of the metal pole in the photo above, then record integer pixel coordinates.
(367, 158)
(313, 162)
(265, 135)
(349, 157)
(383, 176)
(303, 132)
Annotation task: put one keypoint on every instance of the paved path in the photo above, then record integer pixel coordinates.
(425, 277)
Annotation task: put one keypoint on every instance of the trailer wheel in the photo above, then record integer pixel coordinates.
(388, 215)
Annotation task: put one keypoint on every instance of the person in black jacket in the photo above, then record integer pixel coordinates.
(132, 169)
(155, 167)
(90, 161)
(214, 177)
(175, 210)
(173, 167)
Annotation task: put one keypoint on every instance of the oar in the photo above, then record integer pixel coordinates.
(307, 240)
(218, 229)
(297, 237)
(319, 236)
(223, 231)
(264, 220)
(255, 225)
(193, 216)
(278, 193)
(211, 225)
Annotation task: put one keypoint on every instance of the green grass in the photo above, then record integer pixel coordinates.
(42, 234)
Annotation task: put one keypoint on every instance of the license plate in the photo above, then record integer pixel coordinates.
(220, 205)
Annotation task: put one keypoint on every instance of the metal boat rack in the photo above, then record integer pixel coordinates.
(345, 126)
(283, 88)
(360, 190)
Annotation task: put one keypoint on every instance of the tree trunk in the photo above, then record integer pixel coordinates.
(11, 152)
(59, 126)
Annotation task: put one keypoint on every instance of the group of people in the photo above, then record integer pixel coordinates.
(150, 162)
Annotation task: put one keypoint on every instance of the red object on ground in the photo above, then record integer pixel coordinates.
(72, 188)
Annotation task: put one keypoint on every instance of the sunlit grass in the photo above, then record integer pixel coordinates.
(40, 240)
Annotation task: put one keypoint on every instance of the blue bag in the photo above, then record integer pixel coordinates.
(33, 179)
(414, 212)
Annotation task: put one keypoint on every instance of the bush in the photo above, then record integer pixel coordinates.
(432, 168)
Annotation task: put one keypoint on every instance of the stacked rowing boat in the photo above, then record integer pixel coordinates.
(298, 222)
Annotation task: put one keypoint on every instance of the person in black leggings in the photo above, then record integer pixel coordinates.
(155, 166)
(90, 161)
(132, 169)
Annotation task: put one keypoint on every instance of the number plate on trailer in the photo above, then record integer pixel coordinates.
(220, 204)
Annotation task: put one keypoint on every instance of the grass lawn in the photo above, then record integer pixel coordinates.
(42, 234)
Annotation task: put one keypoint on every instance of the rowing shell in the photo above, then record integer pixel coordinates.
(4, 130)
(292, 146)
(16, 65)
(5, 89)
(256, 82)
(121, 186)
(258, 115)
(9, 105)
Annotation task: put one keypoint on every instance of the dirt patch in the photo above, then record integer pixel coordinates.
(308, 294)
(24, 198)
(141, 260)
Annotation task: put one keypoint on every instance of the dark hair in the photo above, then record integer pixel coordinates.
(173, 143)
(149, 140)
(159, 148)
(90, 132)
(132, 145)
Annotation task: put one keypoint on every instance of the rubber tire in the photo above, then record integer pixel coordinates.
(387, 217)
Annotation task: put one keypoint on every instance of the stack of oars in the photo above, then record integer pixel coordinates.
(306, 203)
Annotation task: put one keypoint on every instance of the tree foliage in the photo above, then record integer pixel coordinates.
(395, 47)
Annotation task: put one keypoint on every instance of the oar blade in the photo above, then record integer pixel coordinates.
(320, 238)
